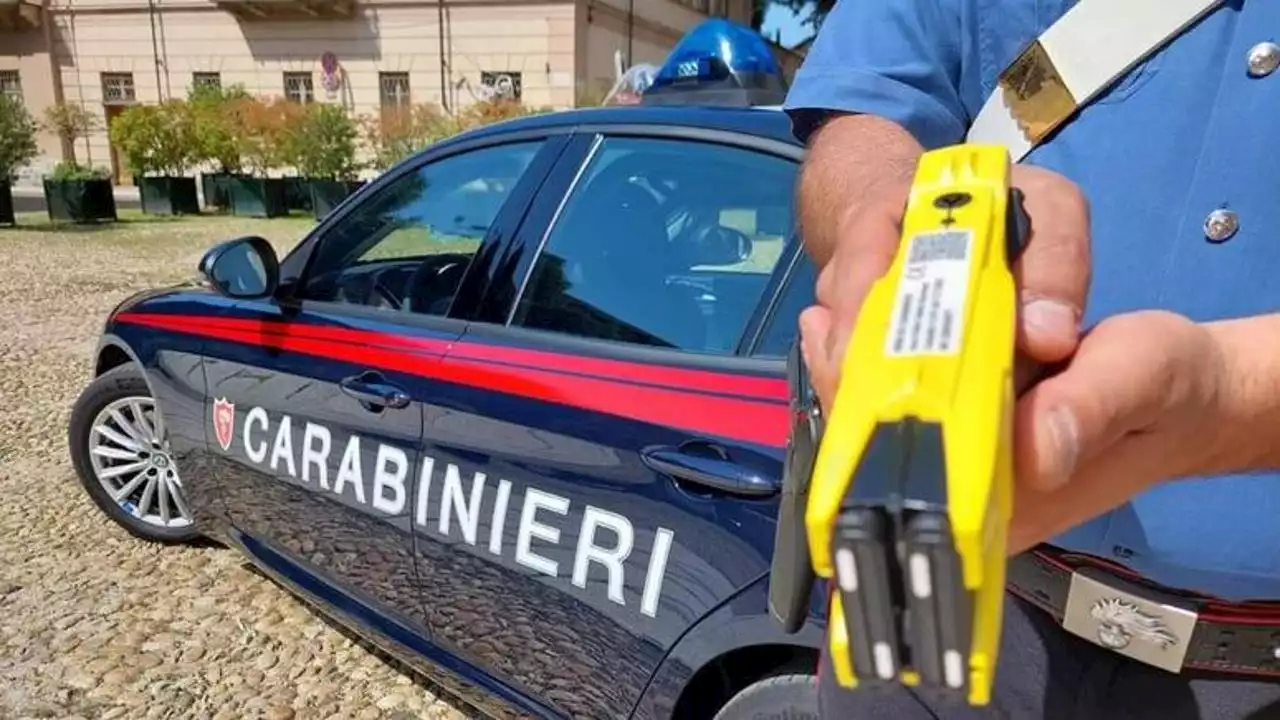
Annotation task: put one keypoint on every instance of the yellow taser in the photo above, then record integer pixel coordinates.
(911, 492)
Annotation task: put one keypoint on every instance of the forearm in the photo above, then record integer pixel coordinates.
(851, 159)
(1249, 437)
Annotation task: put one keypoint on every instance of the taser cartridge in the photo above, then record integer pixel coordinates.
(911, 492)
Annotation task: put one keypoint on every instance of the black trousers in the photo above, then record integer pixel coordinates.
(1047, 673)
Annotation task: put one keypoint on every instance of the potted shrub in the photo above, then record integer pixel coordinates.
(323, 148)
(159, 144)
(75, 192)
(17, 148)
(214, 115)
(262, 142)
(79, 193)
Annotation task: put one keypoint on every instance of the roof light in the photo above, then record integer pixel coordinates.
(718, 63)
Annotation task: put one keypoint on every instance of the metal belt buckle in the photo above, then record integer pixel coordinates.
(1134, 621)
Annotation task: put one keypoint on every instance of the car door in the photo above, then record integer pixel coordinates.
(317, 398)
(607, 459)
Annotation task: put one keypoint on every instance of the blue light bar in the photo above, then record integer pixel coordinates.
(718, 63)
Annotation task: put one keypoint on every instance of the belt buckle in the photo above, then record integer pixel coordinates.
(1136, 622)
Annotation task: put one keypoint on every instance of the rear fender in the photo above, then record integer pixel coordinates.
(741, 623)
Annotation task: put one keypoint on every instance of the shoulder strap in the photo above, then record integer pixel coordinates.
(1079, 56)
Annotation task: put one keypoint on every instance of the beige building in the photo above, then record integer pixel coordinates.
(366, 54)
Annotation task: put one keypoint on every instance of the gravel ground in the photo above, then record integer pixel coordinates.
(96, 624)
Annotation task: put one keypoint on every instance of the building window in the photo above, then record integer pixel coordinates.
(298, 87)
(11, 84)
(394, 88)
(117, 88)
(206, 79)
(502, 85)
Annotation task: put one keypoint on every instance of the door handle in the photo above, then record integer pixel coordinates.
(373, 391)
(717, 473)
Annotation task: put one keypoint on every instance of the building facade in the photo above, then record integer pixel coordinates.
(369, 55)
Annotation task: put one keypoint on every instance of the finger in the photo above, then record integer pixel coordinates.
(1101, 485)
(1054, 272)
(815, 326)
(1116, 383)
(870, 242)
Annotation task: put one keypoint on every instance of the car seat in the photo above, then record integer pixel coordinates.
(624, 260)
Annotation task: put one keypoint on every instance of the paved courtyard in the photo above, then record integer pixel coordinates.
(96, 624)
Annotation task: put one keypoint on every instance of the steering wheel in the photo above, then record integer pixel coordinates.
(432, 283)
(384, 294)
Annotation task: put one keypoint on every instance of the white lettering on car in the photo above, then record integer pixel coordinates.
(610, 558)
(451, 501)
(318, 458)
(424, 489)
(657, 572)
(606, 540)
(499, 517)
(349, 471)
(256, 416)
(283, 447)
(384, 478)
(534, 500)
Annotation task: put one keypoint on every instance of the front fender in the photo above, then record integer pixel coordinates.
(741, 622)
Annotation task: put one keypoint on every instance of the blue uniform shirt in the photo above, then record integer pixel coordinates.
(1188, 132)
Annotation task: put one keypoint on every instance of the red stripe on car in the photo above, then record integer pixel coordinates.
(605, 386)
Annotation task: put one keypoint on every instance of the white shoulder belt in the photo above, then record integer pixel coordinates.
(1079, 56)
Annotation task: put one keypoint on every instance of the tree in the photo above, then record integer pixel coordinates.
(157, 139)
(17, 137)
(70, 122)
(321, 143)
(811, 12)
(216, 122)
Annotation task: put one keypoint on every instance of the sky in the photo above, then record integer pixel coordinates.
(781, 20)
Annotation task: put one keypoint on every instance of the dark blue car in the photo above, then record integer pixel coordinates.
(516, 412)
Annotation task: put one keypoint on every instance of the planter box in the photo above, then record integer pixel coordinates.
(297, 194)
(80, 201)
(6, 204)
(216, 190)
(168, 196)
(258, 197)
(328, 194)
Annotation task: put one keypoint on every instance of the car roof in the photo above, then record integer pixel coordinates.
(767, 122)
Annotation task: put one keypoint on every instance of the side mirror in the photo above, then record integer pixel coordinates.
(720, 245)
(245, 268)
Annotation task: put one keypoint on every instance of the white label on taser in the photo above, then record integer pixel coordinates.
(928, 312)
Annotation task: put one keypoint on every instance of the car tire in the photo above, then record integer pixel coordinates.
(109, 445)
(785, 696)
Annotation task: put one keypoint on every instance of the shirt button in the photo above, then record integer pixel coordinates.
(1264, 58)
(1221, 225)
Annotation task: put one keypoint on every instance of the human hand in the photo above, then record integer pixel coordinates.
(1052, 276)
(1145, 399)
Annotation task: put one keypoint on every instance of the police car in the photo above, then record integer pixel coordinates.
(516, 411)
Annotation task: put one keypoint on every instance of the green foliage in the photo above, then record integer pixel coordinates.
(17, 136)
(70, 122)
(321, 143)
(263, 131)
(157, 139)
(216, 124)
(396, 135)
(811, 12)
(72, 171)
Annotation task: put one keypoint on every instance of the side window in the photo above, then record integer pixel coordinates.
(407, 247)
(782, 327)
(665, 243)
